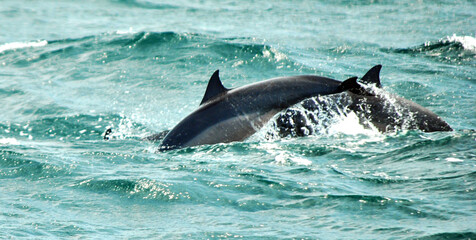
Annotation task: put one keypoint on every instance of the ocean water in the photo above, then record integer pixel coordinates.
(71, 69)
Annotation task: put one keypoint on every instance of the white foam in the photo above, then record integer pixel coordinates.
(9, 141)
(128, 31)
(127, 128)
(350, 125)
(331, 121)
(468, 42)
(19, 45)
(452, 159)
(283, 158)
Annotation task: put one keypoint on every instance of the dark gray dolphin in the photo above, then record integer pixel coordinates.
(228, 115)
(384, 111)
(388, 112)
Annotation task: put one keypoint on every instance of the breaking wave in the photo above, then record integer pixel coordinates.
(468, 42)
(19, 45)
(449, 49)
(154, 47)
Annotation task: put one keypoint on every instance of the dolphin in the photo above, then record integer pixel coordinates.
(229, 115)
(386, 112)
(389, 112)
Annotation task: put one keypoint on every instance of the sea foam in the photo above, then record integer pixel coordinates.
(468, 42)
(20, 45)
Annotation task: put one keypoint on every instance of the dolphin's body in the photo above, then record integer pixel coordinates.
(386, 112)
(227, 115)
(389, 112)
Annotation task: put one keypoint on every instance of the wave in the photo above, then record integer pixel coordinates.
(203, 49)
(19, 45)
(449, 49)
(165, 48)
(449, 235)
(383, 178)
(143, 188)
(9, 141)
(468, 42)
(18, 165)
(147, 4)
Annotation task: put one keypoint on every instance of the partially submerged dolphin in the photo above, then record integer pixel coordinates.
(386, 112)
(228, 115)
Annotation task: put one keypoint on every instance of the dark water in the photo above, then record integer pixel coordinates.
(69, 70)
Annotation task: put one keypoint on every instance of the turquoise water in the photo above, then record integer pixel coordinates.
(71, 69)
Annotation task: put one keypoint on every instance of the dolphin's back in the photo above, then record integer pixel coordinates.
(234, 115)
(398, 113)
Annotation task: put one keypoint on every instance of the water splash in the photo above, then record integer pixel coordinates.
(9, 141)
(126, 128)
(468, 42)
(320, 116)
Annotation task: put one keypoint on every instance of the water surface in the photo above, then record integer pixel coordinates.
(69, 70)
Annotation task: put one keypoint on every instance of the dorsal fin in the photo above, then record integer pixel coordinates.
(353, 86)
(214, 88)
(372, 76)
(348, 84)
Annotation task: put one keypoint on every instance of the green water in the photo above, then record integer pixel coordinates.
(69, 70)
